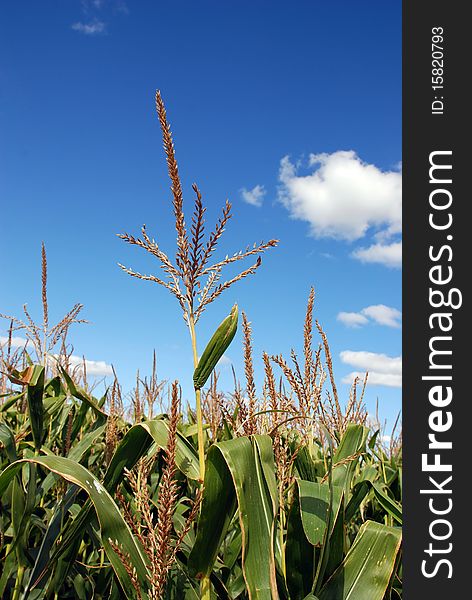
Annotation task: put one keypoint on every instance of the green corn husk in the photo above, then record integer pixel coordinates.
(215, 348)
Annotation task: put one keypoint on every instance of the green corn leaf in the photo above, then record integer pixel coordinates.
(9, 567)
(76, 453)
(82, 395)
(218, 508)
(136, 442)
(324, 552)
(237, 474)
(314, 503)
(336, 545)
(347, 454)
(8, 441)
(33, 378)
(215, 349)
(299, 553)
(18, 505)
(233, 550)
(390, 506)
(368, 566)
(113, 528)
(361, 490)
(52, 533)
(34, 396)
(373, 439)
(305, 464)
(11, 401)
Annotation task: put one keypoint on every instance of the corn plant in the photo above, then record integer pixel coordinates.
(192, 279)
(281, 493)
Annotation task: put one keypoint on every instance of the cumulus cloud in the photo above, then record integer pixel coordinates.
(375, 378)
(343, 197)
(16, 341)
(383, 315)
(382, 369)
(94, 27)
(378, 313)
(389, 255)
(352, 319)
(94, 368)
(254, 196)
(225, 361)
(371, 361)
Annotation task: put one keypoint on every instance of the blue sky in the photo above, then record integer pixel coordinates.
(290, 110)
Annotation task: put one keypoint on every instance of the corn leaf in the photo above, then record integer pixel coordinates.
(368, 566)
(390, 506)
(236, 473)
(8, 440)
(34, 396)
(82, 395)
(351, 446)
(299, 553)
(136, 442)
(113, 528)
(215, 348)
(185, 455)
(52, 533)
(76, 454)
(360, 492)
(314, 504)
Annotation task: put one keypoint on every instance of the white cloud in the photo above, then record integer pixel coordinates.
(382, 369)
(94, 368)
(379, 313)
(225, 361)
(254, 196)
(95, 27)
(389, 255)
(352, 319)
(16, 342)
(343, 197)
(375, 378)
(383, 315)
(371, 361)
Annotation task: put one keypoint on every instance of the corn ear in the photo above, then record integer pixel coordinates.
(216, 347)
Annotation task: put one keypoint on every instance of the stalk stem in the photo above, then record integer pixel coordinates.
(19, 582)
(198, 402)
(281, 533)
(205, 586)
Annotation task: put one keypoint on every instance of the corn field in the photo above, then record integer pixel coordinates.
(287, 491)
